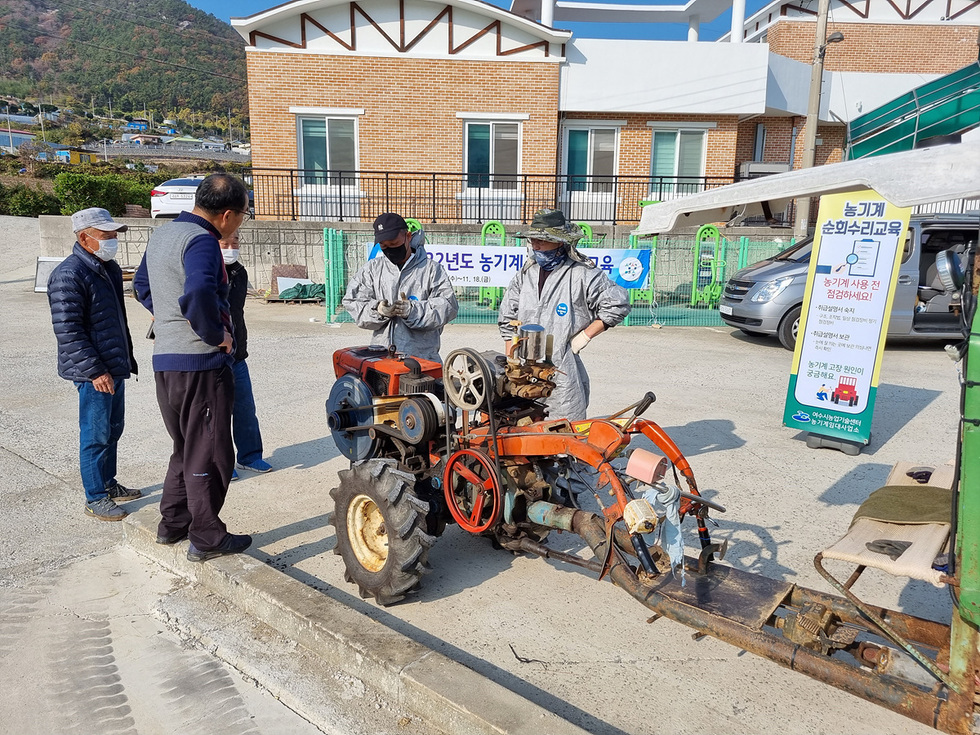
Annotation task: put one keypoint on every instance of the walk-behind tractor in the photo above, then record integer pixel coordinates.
(471, 443)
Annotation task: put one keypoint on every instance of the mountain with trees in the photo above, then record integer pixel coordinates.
(162, 55)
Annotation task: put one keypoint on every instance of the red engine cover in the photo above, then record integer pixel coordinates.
(361, 361)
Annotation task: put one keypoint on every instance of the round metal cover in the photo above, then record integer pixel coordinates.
(348, 405)
(950, 270)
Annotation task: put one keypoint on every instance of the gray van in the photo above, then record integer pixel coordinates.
(767, 297)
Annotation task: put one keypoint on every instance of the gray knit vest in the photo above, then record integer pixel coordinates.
(165, 270)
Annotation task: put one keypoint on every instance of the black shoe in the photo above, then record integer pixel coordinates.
(120, 492)
(231, 544)
(171, 538)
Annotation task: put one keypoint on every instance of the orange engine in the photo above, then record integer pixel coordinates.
(386, 375)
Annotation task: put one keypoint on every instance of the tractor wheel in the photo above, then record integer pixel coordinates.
(380, 525)
(835, 398)
(789, 328)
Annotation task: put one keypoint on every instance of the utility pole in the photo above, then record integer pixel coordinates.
(10, 135)
(813, 112)
(40, 115)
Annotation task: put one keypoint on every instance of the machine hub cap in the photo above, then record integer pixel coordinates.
(367, 533)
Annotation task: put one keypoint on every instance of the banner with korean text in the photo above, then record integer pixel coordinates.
(496, 265)
(850, 286)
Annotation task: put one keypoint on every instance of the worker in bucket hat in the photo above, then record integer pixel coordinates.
(565, 293)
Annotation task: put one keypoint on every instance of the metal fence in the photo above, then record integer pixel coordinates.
(679, 293)
(260, 248)
(358, 196)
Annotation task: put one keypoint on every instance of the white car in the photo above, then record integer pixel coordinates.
(177, 195)
(174, 196)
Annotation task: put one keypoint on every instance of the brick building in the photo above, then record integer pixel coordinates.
(478, 112)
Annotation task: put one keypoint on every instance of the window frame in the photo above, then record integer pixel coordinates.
(326, 115)
(492, 120)
(591, 125)
(656, 190)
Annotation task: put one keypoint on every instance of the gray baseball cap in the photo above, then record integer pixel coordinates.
(95, 217)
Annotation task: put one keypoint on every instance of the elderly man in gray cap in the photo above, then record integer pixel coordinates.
(95, 352)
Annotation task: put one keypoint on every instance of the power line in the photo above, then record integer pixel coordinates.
(93, 7)
(141, 57)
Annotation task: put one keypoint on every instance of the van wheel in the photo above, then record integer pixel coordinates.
(789, 327)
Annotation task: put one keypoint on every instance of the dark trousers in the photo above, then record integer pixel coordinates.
(196, 409)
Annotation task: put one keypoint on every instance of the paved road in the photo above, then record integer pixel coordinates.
(577, 647)
(93, 638)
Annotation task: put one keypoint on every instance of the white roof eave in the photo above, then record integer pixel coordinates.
(904, 179)
(254, 22)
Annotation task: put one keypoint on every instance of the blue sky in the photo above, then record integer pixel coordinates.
(225, 9)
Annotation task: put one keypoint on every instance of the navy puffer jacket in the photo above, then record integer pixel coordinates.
(89, 318)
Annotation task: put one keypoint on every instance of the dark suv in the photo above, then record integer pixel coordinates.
(767, 297)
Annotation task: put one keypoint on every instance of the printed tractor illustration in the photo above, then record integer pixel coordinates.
(846, 390)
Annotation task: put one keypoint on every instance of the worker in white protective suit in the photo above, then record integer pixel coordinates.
(565, 293)
(402, 296)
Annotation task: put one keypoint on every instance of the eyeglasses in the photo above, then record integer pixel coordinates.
(246, 215)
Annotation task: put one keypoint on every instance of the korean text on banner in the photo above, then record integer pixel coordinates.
(496, 265)
(850, 286)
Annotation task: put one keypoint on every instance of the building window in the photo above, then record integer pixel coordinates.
(759, 148)
(328, 151)
(590, 161)
(492, 155)
(678, 161)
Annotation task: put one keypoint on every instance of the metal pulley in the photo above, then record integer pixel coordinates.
(418, 419)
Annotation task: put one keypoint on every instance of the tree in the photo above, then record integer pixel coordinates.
(32, 153)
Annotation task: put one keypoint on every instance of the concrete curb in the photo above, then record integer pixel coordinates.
(445, 693)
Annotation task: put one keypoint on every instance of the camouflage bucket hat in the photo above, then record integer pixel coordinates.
(550, 225)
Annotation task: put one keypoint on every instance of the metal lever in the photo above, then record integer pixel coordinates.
(641, 406)
(703, 501)
(649, 396)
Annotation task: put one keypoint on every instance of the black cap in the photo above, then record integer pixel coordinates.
(387, 226)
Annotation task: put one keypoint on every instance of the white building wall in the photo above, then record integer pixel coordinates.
(604, 75)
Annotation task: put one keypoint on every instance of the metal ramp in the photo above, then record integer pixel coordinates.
(944, 106)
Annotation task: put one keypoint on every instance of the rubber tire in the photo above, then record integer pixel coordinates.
(786, 327)
(404, 516)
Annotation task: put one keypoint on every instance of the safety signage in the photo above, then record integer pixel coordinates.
(496, 265)
(850, 285)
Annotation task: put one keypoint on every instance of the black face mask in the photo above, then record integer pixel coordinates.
(396, 255)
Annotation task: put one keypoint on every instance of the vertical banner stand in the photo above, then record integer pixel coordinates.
(850, 286)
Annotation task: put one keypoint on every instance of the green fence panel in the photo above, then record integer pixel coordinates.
(666, 300)
(334, 275)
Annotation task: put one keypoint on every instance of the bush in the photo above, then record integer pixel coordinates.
(23, 201)
(80, 190)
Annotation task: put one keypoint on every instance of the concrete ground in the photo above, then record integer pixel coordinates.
(576, 647)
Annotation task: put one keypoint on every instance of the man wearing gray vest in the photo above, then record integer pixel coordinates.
(182, 281)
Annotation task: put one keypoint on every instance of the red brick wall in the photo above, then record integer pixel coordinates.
(779, 133)
(880, 47)
(410, 105)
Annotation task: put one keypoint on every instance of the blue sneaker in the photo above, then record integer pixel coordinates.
(234, 475)
(259, 465)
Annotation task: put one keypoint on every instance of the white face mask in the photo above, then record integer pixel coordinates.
(230, 255)
(107, 249)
